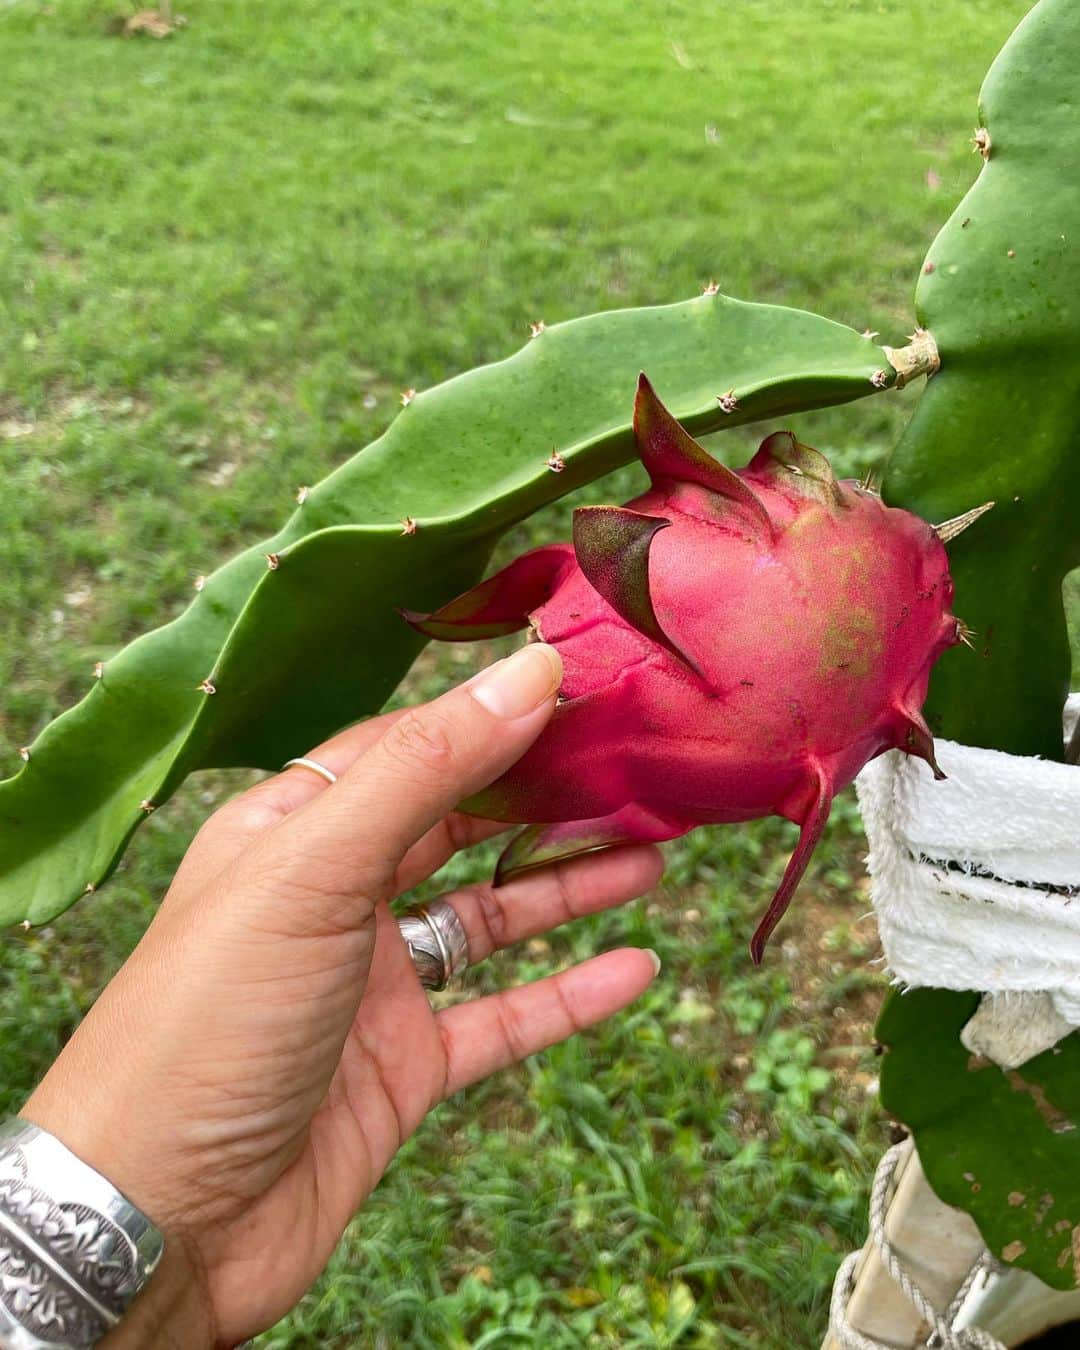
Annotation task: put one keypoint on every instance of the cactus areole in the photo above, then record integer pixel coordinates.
(735, 644)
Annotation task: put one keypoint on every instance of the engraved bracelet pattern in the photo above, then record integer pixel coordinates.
(73, 1251)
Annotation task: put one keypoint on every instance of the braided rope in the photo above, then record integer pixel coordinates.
(944, 1335)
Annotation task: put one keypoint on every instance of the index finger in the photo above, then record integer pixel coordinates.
(352, 837)
(491, 1033)
(262, 807)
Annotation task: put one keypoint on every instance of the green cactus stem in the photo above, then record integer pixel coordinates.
(298, 635)
(1000, 423)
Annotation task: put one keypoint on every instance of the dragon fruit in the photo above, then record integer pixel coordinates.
(735, 644)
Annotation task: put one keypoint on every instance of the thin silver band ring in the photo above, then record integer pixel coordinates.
(433, 933)
(313, 765)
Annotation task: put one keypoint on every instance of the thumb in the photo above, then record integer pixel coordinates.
(350, 839)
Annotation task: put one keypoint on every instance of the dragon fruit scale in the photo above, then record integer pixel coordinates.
(735, 644)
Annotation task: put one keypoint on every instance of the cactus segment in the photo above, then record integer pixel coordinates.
(671, 455)
(1000, 423)
(1000, 1144)
(297, 652)
(1001, 420)
(500, 605)
(612, 548)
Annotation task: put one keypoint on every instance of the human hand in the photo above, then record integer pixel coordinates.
(250, 1072)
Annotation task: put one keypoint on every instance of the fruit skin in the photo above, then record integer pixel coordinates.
(734, 644)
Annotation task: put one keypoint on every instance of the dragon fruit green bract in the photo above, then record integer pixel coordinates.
(735, 644)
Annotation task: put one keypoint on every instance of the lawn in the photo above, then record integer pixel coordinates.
(221, 257)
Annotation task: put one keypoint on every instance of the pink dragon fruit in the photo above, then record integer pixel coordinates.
(735, 644)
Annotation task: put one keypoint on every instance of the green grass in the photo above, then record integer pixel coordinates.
(221, 256)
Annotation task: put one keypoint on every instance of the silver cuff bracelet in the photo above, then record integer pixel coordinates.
(73, 1251)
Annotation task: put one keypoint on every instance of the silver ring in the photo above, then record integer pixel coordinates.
(436, 941)
(313, 765)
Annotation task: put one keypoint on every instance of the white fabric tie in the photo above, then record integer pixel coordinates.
(976, 880)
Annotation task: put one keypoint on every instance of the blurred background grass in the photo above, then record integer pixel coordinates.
(221, 257)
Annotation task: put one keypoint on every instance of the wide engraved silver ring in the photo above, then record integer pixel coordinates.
(436, 941)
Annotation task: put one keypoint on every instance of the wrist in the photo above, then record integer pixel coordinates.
(52, 1177)
(100, 1115)
(172, 1312)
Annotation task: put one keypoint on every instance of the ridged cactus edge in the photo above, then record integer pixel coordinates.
(1000, 292)
(299, 635)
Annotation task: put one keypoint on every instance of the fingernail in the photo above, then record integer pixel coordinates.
(655, 961)
(516, 686)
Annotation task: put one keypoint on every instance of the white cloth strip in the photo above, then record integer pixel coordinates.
(976, 880)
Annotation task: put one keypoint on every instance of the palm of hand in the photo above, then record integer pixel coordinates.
(259, 1059)
(343, 1107)
(271, 1027)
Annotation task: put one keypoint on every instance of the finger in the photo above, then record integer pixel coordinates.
(453, 833)
(396, 1027)
(254, 812)
(296, 784)
(496, 917)
(491, 1033)
(351, 839)
(265, 805)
